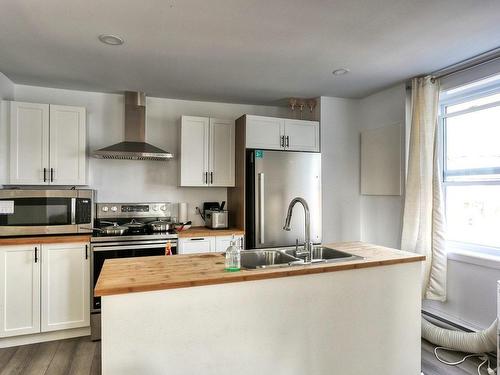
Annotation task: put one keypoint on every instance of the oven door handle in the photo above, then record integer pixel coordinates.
(132, 247)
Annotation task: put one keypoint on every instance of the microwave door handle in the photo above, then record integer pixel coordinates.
(261, 208)
(73, 211)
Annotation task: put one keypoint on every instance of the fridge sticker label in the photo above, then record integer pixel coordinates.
(259, 154)
(6, 207)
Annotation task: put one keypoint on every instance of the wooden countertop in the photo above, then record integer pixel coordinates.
(205, 232)
(119, 276)
(27, 240)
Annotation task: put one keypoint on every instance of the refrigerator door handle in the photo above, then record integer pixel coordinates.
(261, 208)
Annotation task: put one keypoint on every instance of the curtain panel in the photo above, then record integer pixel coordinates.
(423, 218)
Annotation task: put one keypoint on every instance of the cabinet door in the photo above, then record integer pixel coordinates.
(194, 151)
(67, 145)
(264, 132)
(194, 245)
(65, 286)
(302, 135)
(223, 242)
(221, 161)
(19, 290)
(29, 143)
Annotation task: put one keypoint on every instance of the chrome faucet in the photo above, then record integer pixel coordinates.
(307, 235)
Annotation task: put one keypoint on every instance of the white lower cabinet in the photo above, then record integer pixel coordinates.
(19, 290)
(65, 286)
(194, 245)
(44, 288)
(223, 242)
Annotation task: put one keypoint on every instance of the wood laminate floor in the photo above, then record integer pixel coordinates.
(78, 356)
(431, 366)
(81, 356)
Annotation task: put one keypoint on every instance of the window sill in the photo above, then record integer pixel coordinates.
(474, 254)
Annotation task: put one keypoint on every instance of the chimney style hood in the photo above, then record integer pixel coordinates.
(134, 147)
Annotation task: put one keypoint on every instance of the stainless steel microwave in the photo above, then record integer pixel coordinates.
(30, 212)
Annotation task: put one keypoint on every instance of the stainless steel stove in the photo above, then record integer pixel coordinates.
(137, 240)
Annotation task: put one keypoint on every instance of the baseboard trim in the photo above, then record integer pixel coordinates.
(444, 323)
(7, 342)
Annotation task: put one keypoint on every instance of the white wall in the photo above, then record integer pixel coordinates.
(381, 216)
(472, 291)
(131, 180)
(6, 93)
(340, 169)
(471, 300)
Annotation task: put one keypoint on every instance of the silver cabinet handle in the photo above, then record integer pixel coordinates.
(51, 174)
(206, 177)
(44, 174)
(261, 208)
(287, 141)
(36, 254)
(86, 251)
(211, 177)
(282, 141)
(196, 239)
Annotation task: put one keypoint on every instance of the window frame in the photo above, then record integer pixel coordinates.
(458, 97)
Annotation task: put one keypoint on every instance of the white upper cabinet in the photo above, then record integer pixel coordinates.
(273, 133)
(48, 144)
(67, 145)
(221, 160)
(19, 290)
(301, 135)
(207, 152)
(194, 151)
(265, 132)
(65, 286)
(29, 143)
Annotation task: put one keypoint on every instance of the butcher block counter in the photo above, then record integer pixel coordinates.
(156, 273)
(184, 314)
(206, 232)
(27, 240)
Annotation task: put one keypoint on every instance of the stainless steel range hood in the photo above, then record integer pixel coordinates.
(134, 147)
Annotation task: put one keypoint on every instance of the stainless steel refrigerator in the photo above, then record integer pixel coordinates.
(273, 179)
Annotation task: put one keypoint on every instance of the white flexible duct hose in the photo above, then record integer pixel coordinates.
(469, 342)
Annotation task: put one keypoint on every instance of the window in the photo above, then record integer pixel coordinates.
(470, 133)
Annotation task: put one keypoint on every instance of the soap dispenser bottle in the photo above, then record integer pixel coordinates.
(233, 257)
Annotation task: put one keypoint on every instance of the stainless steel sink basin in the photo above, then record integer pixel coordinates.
(265, 258)
(285, 257)
(324, 254)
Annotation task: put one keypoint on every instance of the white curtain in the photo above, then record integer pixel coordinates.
(423, 219)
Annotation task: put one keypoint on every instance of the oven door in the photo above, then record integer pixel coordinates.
(112, 250)
(38, 212)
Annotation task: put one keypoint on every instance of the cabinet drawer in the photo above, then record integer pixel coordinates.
(194, 245)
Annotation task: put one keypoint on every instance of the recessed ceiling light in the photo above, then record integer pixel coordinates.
(340, 71)
(112, 40)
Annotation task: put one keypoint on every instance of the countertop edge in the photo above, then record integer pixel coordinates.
(207, 232)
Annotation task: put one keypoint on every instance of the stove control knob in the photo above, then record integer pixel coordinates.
(105, 208)
(163, 208)
(155, 208)
(114, 208)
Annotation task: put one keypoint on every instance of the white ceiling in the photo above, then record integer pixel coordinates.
(248, 51)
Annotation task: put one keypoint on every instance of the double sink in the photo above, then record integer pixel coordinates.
(287, 257)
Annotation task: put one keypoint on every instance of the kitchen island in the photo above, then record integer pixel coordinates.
(185, 315)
